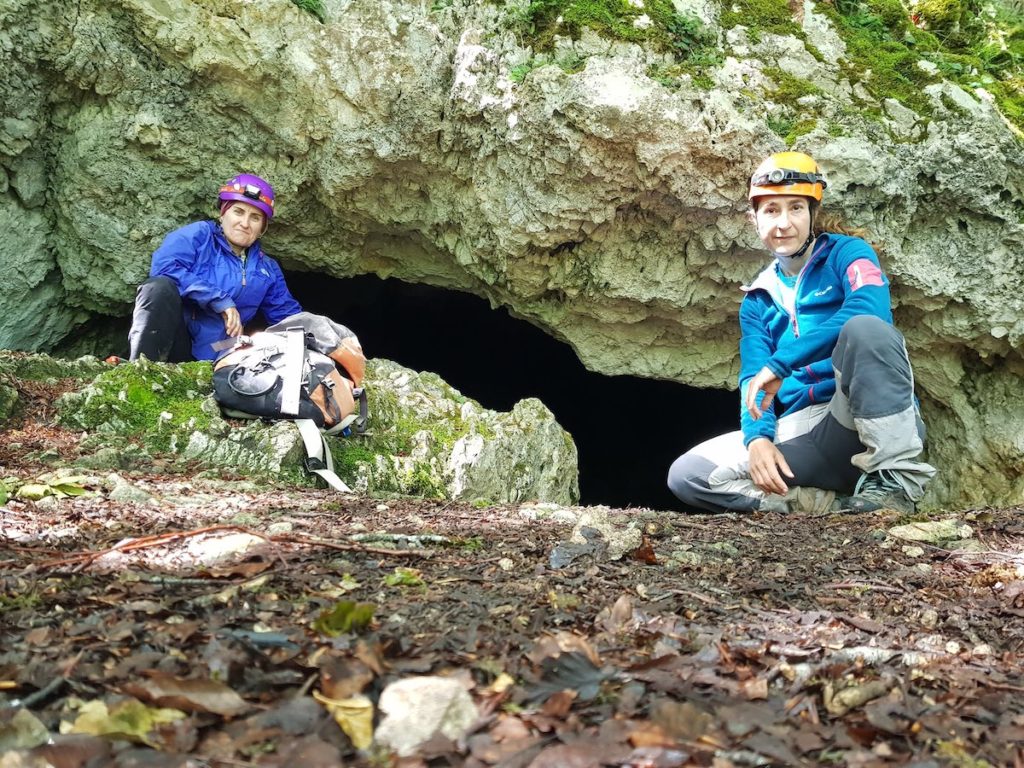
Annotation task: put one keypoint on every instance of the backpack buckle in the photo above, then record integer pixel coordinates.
(312, 464)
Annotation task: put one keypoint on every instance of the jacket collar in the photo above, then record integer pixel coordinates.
(768, 279)
(254, 250)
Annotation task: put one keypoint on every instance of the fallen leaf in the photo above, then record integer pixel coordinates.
(569, 671)
(682, 721)
(559, 704)
(130, 720)
(754, 688)
(346, 616)
(189, 695)
(354, 716)
(20, 729)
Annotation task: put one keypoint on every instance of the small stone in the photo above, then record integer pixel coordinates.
(418, 707)
(952, 647)
(982, 650)
(913, 551)
(929, 618)
(282, 526)
(382, 507)
(506, 564)
(923, 568)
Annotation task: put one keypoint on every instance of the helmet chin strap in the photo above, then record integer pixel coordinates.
(807, 243)
(804, 247)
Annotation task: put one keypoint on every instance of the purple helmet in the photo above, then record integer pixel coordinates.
(249, 189)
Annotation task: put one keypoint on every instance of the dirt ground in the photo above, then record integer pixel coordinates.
(720, 641)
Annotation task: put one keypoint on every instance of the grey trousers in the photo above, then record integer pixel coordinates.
(870, 425)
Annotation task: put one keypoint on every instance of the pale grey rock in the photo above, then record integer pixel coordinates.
(126, 492)
(706, 11)
(933, 531)
(820, 31)
(416, 708)
(599, 205)
(621, 533)
(902, 121)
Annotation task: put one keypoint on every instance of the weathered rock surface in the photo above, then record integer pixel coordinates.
(599, 205)
(425, 439)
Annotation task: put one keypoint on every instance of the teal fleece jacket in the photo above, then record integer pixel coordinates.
(840, 280)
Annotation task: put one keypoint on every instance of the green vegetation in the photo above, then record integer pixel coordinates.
(654, 23)
(314, 7)
(761, 16)
(153, 401)
(885, 44)
(404, 577)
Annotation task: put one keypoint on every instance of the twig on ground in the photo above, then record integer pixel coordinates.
(83, 559)
(863, 585)
(291, 538)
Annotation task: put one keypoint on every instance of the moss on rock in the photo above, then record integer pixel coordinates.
(8, 402)
(37, 367)
(151, 401)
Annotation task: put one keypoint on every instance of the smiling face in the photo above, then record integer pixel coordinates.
(783, 223)
(243, 224)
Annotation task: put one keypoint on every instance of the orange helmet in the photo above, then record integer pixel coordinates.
(787, 173)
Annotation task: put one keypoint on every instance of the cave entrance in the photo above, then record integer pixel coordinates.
(628, 430)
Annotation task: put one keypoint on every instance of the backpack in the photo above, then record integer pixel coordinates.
(307, 369)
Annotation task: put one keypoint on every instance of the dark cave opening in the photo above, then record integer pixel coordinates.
(628, 430)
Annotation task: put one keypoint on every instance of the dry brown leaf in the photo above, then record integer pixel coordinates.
(552, 646)
(559, 704)
(755, 688)
(189, 695)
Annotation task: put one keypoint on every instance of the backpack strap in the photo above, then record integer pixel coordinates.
(318, 455)
(294, 358)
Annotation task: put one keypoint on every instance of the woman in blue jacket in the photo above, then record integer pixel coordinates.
(826, 388)
(209, 279)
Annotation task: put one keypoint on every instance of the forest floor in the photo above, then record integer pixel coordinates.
(182, 620)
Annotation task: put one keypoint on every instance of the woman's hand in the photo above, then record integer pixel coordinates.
(771, 384)
(232, 321)
(766, 461)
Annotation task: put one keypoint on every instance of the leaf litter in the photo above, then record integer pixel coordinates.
(722, 641)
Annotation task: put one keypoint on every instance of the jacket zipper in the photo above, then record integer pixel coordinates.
(796, 291)
(243, 258)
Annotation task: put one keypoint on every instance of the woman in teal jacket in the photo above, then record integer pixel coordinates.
(211, 278)
(826, 387)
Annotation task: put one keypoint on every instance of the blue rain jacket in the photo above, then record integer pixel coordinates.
(842, 279)
(211, 279)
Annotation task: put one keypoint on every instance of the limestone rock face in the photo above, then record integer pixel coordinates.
(425, 438)
(599, 205)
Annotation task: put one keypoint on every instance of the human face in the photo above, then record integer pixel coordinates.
(243, 224)
(783, 223)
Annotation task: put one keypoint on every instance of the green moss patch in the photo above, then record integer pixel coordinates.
(313, 7)
(151, 401)
(652, 23)
(886, 40)
(761, 16)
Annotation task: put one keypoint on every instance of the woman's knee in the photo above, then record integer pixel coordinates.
(688, 475)
(865, 328)
(158, 290)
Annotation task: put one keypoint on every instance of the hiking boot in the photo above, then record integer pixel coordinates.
(874, 491)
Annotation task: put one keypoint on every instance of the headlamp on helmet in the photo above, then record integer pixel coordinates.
(787, 173)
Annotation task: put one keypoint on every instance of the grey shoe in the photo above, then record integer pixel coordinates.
(875, 491)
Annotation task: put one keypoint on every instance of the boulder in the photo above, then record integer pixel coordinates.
(426, 439)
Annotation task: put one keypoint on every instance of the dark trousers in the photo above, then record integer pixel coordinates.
(158, 326)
